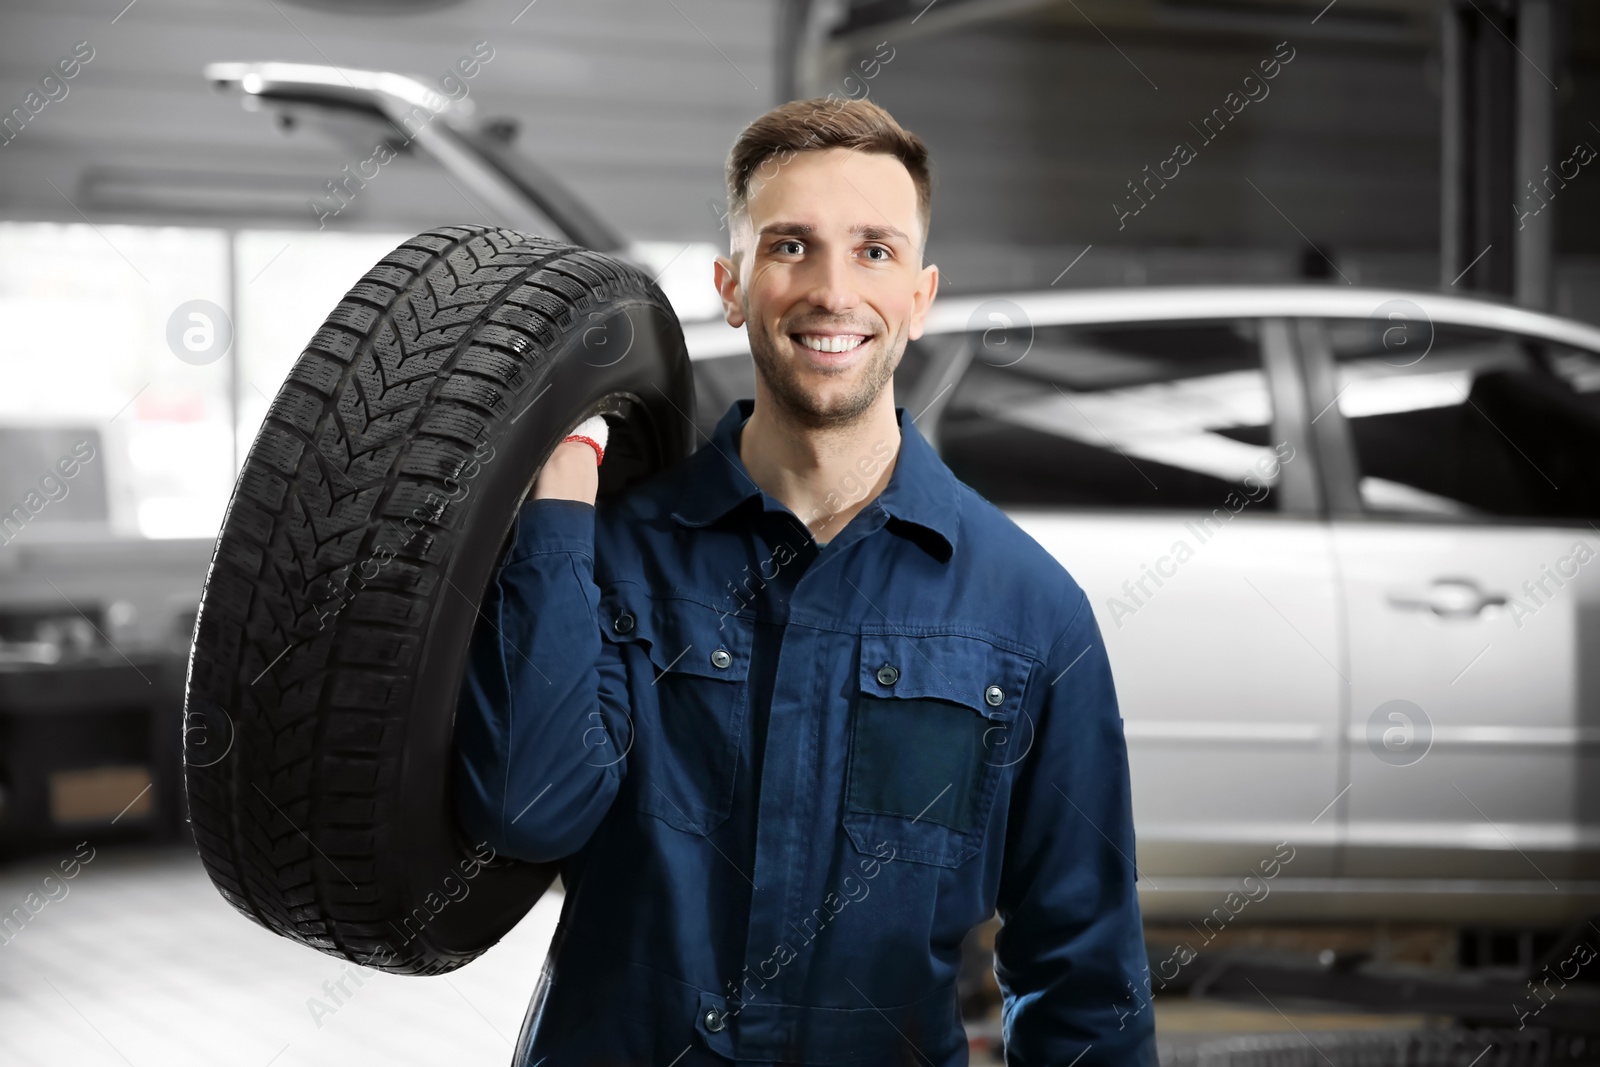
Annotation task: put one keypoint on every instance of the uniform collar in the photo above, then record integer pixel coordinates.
(921, 489)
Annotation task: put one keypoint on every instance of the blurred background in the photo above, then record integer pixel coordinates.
(1367, 227)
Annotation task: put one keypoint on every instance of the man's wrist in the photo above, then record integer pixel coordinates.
(571, 473)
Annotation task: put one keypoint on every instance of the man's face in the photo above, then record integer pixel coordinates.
(828, 257)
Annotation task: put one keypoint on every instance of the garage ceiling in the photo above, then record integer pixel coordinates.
(635, 104)
(1395, 22)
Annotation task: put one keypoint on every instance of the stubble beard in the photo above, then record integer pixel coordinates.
(800, 405)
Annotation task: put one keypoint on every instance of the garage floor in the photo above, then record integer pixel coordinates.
(141, 962)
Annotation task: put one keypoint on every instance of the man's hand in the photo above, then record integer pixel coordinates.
(571, 473)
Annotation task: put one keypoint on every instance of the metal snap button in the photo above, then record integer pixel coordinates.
(714, 1021)
(623, 623)
(721, 658)
(994, 695)
(888, 674)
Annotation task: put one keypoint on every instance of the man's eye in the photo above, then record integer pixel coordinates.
(879, 248)
(782, 247)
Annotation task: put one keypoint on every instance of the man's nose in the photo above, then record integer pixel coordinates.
(831, 284)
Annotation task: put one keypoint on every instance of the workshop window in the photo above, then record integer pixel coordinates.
(127, 339)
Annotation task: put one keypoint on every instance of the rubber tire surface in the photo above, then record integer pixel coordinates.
(345, 583)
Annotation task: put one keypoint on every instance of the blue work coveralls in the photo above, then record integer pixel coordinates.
(784, 781)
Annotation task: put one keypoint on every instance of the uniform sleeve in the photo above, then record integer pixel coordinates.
(543, 703)
(1069, 956)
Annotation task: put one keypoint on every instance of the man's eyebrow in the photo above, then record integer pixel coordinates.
(869, 231)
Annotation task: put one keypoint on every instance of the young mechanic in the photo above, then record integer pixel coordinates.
(787, 763)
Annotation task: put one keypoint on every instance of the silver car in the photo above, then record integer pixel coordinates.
(1339, 543)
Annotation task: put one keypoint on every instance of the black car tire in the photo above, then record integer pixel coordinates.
(343, 591)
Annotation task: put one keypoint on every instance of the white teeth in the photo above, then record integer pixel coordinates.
(836, 343)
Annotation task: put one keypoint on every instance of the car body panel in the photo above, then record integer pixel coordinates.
(1224, 767)
(1500, 780)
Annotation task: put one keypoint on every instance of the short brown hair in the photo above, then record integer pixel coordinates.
(819, 123)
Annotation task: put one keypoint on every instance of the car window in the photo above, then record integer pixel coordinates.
(1152, 416)
(1468, 423)
(1578, 368)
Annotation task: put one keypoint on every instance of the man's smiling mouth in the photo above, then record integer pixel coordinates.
(830, 342)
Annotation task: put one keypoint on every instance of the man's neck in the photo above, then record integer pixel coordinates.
(824, 476)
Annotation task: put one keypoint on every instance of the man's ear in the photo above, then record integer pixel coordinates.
(927, 289)
(725, 276)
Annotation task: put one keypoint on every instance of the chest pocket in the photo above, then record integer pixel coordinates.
(690, 699)
(930, 738)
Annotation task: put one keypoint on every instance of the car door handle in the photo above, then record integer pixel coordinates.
(1448, 597)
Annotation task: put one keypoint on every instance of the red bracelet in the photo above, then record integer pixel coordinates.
(599, 453)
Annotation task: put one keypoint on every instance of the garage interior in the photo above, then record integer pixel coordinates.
(1438, 146)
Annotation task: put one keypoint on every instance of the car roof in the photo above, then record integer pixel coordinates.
(1076, 307)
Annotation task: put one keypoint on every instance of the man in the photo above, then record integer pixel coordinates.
(787, 763)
